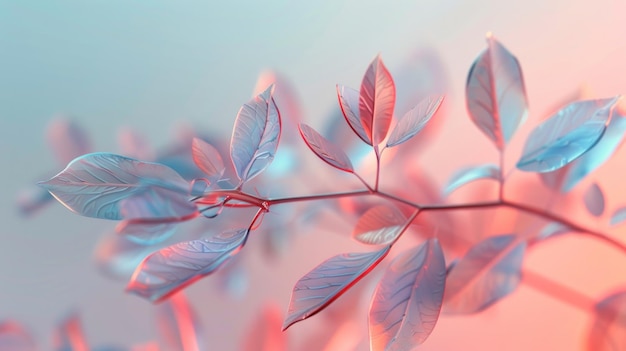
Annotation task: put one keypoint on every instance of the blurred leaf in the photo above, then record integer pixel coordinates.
(69, 335)
(594, 200)
(414, 120)
(265, 333)
(488, 272)
(172, 268)
(105, 186)
(324, 149)
(618, 216)
(14, 337)
(133, 145)
(145, 233)
(406, 304)
(608, 332)
(67, 140)
(553, 229)
(380, 225)
(326, 282)
(255, 136)
(31, 200)
(208, 159)
(376, 102)
(566, 136)
(495, 93)
(179, 325)
(470, 174)
(349, 103)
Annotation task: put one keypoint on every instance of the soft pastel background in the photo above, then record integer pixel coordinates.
(151, 65)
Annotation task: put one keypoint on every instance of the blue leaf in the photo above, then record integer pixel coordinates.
(172, 268)
(618, 216)
(326, 282)
(488, 272)
(470, 174)
(255, 136)
(566, 136)
(110, 186)
(495, 93)
(552, 230)
(594, 200)
(407, 301)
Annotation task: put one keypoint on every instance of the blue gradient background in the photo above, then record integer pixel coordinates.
(148, 65)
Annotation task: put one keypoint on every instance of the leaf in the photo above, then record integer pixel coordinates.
(67, 140)
(326, 282)
(31, 200)
(495, 93)
(132, 144)
(324, 149)
(406, 304)
(470, 174)
(146, 233)
(594, 200)
(208, 159)
(264, 334)
(349, 103)
(553, 229)
(608, 332)
(69, 335)
(98, 185)
(597, 155)
(619, 216)
(414, 120)
(179, 325)
(488, 272)
(13, 337)
(377, 99)
(172, 268)
(255, 136)
(380, 225)
(566, 136)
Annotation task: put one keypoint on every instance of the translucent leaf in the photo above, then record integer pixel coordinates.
(265, 333)
(488, 272)
(326, 282)
(379, 225)
(376, 102)
(349, 103)
(174, 267)
(255, 136)
(553, 229)
(406, 304)
(608, 332)
(470, 174)
(619, 216)
(95, 185)
(208, 159)
(132, 144)
(594, 200)
(495, 93)
(69, 335)
(324, 149)
(31, 200)
(414, 120)
(13, 337)
(146, 233)
(157, 203)
(67, 140)
(597, 155)
(566, 136)
(179, 326)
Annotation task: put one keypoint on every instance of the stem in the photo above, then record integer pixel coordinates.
(558, 291)
(501, 188)
(376, 151)
(317, 197)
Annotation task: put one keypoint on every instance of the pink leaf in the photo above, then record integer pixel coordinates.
(349, 103)
(69, 335)
(414, 120)
(379, 225)
(208, 159)
(608, 332)
(594, 200)
(179, 325)
(67, 140)
(324, 149)
(13, 337)
(377, 99)
(265, 333)
(326, 282)
(408, 298)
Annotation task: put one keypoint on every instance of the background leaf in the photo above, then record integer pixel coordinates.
(69, 335)
(406, 304)
(324, 149)
(470, 174)
(67, 140)
(495, 93)
(380, 225)
(208, 159)
(179, 326)
(14, 337)
(414, 120)
(105, 186)
(488, 272)
(377, 99)
(174, 267)
(326, 282)
(618, 216)
(255, 136)
(608, 332)
(594, 200)
(566, 136)
(349, 103)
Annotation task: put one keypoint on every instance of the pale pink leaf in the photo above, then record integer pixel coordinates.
(326, 282)
(67, 140)
(14, 337)
(380, 225)
(325, 149)
(349, 103)
(208, 159)
(69, 335)
(265, 333)
(406, 304)
(594, 200)
(377, 99)
(414, 120)
(179, 325)
(608, 331)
